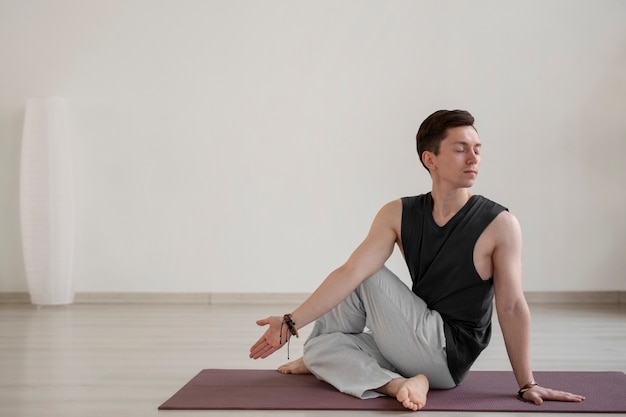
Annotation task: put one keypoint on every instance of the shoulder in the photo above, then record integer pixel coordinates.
(496, 214)
(503, 230)
(490, 204)
(506, 221)
(396, 207)
(506, 230)
(392, 212)
(415, 204)
(392, 209)
(416, 199)
(389, 217)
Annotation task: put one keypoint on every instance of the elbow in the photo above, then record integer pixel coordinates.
(355, 272)
(515, 310)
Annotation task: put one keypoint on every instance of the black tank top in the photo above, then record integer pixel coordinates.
(441, 264)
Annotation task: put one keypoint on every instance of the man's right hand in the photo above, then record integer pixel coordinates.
(271, 340)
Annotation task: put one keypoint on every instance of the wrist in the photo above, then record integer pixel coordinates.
(526, 387)
(291, 330)
(290, 324)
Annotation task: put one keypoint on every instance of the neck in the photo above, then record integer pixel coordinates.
(447, 203)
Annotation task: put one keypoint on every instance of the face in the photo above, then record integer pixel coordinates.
(459, 157)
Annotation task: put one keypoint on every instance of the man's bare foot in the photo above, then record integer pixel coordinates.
(296, 367)
(411, 392)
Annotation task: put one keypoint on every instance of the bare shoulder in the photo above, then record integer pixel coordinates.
(502, 229)
(391, 213)
(507, 262)
(507, 250)
(506, 228)
(389, 217)
(392, 208)
(378, 246)
(497, 245)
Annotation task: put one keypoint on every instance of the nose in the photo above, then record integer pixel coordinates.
(473, 158)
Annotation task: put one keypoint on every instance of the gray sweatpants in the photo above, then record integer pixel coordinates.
(379, 332)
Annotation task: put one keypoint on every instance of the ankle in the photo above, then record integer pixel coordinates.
(392, 387)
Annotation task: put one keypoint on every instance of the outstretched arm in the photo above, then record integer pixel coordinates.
(368, 258)
(513, 312)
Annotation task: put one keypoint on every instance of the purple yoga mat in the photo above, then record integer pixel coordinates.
(247, 389)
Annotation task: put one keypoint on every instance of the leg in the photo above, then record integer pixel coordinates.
(362, 367)
(406, 340)
(408, 334)
(348, 317)
(349, 362)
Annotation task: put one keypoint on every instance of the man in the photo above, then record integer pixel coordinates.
(461, 250)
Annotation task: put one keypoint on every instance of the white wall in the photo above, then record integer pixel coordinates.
(245, 146)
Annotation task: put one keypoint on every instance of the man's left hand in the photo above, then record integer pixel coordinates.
(538, 395)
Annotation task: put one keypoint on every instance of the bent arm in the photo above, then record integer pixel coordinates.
(367, 259)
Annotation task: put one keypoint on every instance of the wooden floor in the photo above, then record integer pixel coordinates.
(95, 360)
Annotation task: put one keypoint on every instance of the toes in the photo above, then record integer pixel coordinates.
(411, 405)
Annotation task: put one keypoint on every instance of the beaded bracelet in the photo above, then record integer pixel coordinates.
(291, 327)
(290, 324)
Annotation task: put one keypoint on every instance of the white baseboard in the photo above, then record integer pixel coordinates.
(188, 298)
(167, 298)
(14, 297)
(574, 297)
(533, 297)
(141, 298)
(258, 298)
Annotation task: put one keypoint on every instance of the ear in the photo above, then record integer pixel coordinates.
(428, 160)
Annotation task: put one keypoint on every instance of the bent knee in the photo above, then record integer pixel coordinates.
(377, 278)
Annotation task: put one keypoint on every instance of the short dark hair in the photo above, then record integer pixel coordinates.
(434, 129)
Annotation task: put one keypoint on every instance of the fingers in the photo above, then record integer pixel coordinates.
(563, 396)
(263, 322)
(538, 394)
(568, 396)
(271, 341)
(262, 349)
(267, 344)
(265, 352)
(260, 344)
